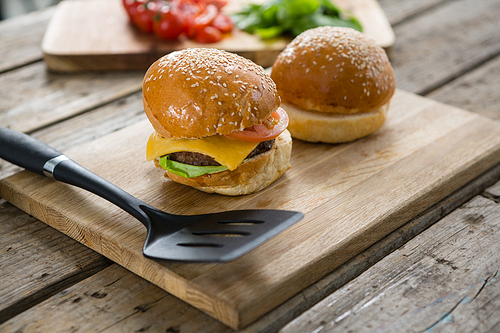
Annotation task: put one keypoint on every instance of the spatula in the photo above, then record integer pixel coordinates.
(214, 237)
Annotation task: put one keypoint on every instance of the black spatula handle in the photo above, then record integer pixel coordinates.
(36, 156)
(25, 151)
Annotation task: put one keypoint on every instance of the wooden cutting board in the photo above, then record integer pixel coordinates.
(97, 35)
(352, 195)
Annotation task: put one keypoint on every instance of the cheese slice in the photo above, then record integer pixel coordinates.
(226, 151)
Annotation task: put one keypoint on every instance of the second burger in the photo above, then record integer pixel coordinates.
(335, 84)
(218, 122)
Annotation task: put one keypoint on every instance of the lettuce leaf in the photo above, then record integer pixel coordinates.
(277, 17)
(186, 170)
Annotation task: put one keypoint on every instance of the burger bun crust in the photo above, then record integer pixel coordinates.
(201, 92)
(335, 84)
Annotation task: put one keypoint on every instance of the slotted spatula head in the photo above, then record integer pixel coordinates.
(213, 237)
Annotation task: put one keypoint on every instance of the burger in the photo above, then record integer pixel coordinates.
(218, 125)
(335, 84)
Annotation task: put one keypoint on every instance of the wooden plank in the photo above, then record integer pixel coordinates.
(451, 39)
(476, 91)
(112, 43)
(424, 143)
(144, 306)
(118, 301)
(87, 127)
(35, 270)
(398, 11)
(21, 38)
(39, 248)
(494, 191)
(444, 279)
(32, 98)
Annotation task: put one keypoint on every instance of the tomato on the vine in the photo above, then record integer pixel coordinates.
(143, 17)
(200, 20)
(276, 124)
(169, 23)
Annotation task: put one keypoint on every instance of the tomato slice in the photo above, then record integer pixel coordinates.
(223, 23)
(208, 35)
(218, 3)
(259, 133)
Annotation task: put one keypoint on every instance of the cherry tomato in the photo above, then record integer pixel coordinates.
(200, 20)
(208, 35)
(223, 23)
(169, 23)
(259, 133)
(217, 3)
(131, 8)
(143, 17)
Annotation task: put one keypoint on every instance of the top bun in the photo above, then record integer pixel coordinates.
(200, 92)
(333, 69)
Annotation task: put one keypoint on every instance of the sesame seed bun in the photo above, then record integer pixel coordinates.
(340, 80)
(200, 92)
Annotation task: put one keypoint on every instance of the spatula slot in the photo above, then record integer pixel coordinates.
(241, 222)
(221, 233)
(199, 244)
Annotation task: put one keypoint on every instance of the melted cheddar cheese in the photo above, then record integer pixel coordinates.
(226, 151)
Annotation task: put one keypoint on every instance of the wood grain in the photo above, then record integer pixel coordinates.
(477, 91)
(32, 98)
(87, 127)
(19, 47)
(445, 43)
(111, 43)
(445, 279)
(137, 305)
(424, 145)
(50, 262)
(398, 11)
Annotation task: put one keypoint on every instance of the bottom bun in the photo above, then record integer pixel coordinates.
(252, 176)
(314, 126)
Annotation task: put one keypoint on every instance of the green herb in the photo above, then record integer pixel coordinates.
(277, 17)
(186, 170)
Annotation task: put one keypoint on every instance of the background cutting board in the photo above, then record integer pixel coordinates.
(352, 195)
(96, 35)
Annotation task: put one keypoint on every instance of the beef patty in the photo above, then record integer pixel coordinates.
(188, 157)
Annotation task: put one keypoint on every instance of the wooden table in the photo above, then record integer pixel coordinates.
(438, 272)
